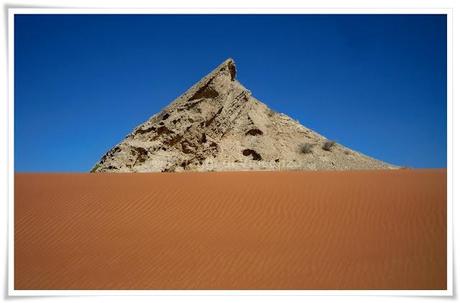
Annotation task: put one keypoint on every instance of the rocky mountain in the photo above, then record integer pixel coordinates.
(217, 125)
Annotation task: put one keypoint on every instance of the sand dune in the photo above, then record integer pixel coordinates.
(242, 230)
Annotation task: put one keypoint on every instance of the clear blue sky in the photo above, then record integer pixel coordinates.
(374, 83)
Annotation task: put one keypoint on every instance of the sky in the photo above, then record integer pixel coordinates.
(374, 83)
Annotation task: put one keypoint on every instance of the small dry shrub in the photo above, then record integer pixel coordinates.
(306, 148)
(328, 145)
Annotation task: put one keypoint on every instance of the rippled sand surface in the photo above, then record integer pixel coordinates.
(239, 230)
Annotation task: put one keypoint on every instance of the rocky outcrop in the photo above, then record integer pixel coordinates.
(217, 125)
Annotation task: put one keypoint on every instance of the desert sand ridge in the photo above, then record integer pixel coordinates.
(373, 229)
(217, 125)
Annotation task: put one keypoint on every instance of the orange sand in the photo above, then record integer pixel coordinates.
(240, 230)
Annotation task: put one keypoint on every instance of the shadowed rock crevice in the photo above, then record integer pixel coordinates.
(205, 92)
(254, 132)
(250, 152)
(232, 68)
(146, 130)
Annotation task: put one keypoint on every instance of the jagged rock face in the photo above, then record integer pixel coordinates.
(217, 125)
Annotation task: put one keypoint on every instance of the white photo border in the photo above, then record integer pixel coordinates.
(12, 12)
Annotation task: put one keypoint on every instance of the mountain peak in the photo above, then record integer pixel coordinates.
(217, 125)
(230, 66)
(226, 68)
